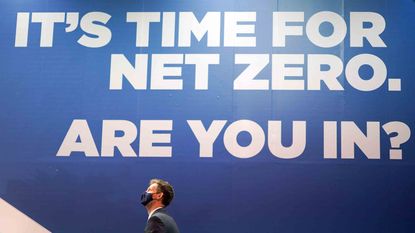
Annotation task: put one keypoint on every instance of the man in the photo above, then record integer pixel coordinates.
(158, 196)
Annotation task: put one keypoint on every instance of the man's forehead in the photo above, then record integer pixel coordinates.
(153, 186)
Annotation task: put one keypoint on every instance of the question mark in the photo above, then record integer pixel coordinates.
(403, 135)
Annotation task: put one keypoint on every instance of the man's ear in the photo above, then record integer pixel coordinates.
(160, 195)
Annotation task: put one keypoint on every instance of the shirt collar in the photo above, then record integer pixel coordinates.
(152, 212)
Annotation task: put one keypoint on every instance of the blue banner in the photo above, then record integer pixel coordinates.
(265, 116)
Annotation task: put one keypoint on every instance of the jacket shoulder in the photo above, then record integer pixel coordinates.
(155, 225)
(168, 221)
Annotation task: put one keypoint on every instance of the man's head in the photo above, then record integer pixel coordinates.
(159, 192)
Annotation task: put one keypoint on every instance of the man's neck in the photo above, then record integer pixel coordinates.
(151, 209)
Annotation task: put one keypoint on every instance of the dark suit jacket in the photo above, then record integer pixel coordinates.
(161, 222)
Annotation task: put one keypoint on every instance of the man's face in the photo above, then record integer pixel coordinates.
(151, 196)
(153, 189)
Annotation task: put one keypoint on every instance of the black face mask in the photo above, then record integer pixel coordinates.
(146, 198)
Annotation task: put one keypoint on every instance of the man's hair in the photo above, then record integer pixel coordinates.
(166, 188)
